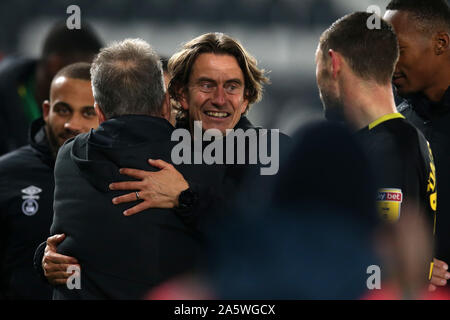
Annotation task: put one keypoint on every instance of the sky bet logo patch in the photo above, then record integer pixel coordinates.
(389, 203)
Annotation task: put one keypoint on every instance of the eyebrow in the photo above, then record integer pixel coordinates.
(201, 79)
(65, 104)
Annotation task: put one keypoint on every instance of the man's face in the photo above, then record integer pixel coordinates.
(417, 63)
(70, 110)
(215, 92)
(328, 92)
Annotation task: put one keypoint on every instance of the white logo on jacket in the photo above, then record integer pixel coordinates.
(30, 206)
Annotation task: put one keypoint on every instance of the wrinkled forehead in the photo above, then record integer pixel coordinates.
(213, 63)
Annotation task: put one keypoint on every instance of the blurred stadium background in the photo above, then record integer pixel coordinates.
(281, 34)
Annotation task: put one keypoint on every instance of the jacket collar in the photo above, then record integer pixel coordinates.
(427, 109)
(39, 142)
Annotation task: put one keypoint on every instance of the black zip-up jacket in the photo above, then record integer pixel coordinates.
(433, 119)
(121, 257)
(26, 212)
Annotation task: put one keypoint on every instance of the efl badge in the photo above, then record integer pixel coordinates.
(389, 202)
(30, 206)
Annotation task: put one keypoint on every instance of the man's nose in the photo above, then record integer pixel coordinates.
(74, 124)
(219, 96)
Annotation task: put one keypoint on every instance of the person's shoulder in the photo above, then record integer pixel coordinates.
(402, 137)
(65, 150)
(18, 158)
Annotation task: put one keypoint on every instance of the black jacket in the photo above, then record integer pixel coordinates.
(237, 179)
(121, 257)
(433, 119)
(14, 124)
(26, 211)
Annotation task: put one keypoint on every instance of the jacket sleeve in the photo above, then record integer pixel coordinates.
(37, 261)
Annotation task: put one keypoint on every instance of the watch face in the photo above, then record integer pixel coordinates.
(187, 199)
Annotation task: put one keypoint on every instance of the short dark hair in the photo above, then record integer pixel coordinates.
(79, 70)
(65, 42)
(429, 15)
(371, 53)
(127, 78)
(180, 64)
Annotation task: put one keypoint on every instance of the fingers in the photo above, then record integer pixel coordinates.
(440, 274)
(432, 287)
(138, 208)
(56, 258)
(130, 197)
(161, 164)
(440, 264)
(50, 268)
(57, 281)
(53, 241)
(127, 185)
(59, 277)
(135, 173)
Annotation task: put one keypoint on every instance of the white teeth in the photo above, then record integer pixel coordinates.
(217, 114)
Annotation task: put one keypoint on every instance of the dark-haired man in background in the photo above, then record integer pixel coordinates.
(354, 79)
(25, 83)
(422, 77)
(27, 184)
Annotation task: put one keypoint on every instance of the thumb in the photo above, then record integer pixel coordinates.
(161, 164)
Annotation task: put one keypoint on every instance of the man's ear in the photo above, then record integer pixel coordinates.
(336, 63)
(45, 110)
(99, 112)
(244, 106)
(441, 42)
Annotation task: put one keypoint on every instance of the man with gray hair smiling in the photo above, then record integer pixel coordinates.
(133, 109)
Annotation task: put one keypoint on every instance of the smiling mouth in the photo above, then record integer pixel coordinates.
(217, 114)
(397, 77)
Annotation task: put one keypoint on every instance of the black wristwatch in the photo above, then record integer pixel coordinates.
(186, 200)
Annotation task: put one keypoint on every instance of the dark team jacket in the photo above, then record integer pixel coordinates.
(403, 166)
(14, 124)
(26, 212)
(121, 257)
(433, 120)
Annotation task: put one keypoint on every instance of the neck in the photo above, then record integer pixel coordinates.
(366, 103)
(437, 90)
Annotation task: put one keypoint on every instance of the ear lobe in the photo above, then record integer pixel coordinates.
(45, 110)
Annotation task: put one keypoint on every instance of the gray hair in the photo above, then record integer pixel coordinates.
(127, 78)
